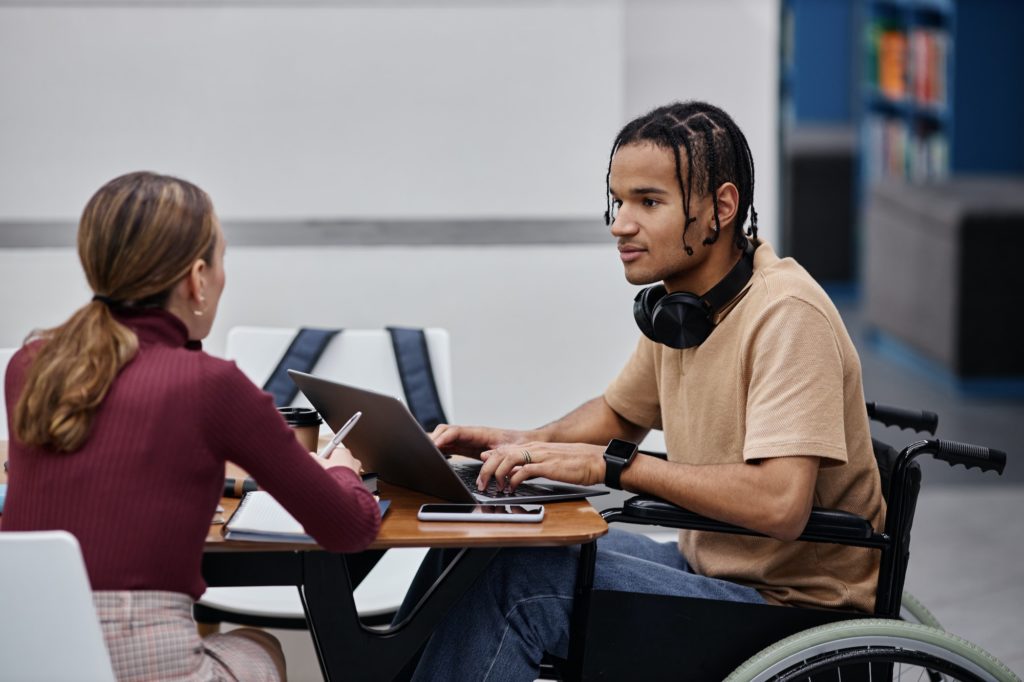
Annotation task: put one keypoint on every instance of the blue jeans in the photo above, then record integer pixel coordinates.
(521, 606)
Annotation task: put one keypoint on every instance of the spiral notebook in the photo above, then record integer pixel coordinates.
(261, 518)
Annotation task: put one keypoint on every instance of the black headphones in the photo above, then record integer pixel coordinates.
(684, 320)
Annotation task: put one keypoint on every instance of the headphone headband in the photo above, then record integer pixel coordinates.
(731, 284)
(682, 319)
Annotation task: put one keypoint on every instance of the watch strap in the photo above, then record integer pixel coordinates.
(615, 461)
(613, 473)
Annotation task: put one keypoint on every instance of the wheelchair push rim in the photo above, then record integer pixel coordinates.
(913, 611)
(859, 643)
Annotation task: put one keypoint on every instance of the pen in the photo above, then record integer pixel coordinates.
(342, 432)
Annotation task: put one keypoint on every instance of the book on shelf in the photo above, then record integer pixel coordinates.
(261, 518)
(927, 65)
(895, 149)
(892, 62)
(907, 64)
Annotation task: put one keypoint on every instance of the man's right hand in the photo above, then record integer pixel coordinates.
(470, 441)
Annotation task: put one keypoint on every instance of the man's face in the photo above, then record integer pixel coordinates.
(648, 216)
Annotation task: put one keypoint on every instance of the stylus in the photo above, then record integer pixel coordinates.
(342, 432)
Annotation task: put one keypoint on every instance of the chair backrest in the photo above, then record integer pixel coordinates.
(901, 501)
(49, 629)
(5, 357)
(730, 632)
(360, 357)
(885, 457)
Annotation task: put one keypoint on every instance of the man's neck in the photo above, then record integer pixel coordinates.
(702, 278)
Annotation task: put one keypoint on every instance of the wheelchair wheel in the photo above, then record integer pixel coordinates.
(872, 649)
(913, 611)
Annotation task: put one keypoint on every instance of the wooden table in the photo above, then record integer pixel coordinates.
(347, 648)
(565, 523)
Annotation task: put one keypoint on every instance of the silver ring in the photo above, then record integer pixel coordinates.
(527, 457)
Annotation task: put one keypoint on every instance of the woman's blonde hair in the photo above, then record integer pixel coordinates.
(138, 237)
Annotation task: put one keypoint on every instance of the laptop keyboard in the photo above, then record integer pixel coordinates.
(469, 472)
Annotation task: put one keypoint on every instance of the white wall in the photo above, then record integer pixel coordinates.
(721, 51)
(536, 329)
(313, 111)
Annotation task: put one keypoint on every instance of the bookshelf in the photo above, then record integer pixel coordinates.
(940, 89)
(924, 91)
(818, 101)
(817, 78)
(942, 183)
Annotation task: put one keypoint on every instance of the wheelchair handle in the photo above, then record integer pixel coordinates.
(918, 420)
(952, 453)
(986, 459)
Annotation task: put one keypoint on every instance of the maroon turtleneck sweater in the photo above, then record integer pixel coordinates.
(139, 495)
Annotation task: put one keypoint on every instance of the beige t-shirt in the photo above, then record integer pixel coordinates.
(779, 376)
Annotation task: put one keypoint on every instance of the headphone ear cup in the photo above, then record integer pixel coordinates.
(644, 301)
(681, 320)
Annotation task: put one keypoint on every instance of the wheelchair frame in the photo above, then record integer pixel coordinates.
(611, 631)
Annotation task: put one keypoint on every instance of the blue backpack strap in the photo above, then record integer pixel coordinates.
(417, 375)
(303, 353)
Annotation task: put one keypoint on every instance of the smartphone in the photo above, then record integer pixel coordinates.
(506, 513)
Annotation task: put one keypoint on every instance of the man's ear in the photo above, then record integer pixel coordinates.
(728, 200)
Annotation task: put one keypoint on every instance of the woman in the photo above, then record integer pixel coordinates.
(121, 426)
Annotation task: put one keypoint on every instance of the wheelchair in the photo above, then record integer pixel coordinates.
(625, 636)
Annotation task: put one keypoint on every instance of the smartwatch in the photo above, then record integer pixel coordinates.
(617, 456)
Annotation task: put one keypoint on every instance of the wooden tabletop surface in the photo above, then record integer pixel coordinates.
(565, 523)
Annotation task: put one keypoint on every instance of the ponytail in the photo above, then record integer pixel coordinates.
(69, 378)
(138, 237)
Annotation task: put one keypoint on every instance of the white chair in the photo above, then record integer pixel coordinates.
(49, 631)
(360, 357)
(364, 358)
(5, 357)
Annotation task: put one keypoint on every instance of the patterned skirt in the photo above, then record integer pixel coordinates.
(151, 636)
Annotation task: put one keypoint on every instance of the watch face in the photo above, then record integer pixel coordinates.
(622, 449)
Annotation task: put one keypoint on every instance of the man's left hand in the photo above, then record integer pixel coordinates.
(579, 463)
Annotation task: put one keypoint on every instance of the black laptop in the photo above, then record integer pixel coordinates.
(390, 442)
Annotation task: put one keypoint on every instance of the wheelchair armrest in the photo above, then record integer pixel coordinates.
(824, 525)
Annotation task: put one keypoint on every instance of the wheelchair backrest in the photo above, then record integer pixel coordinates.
(893, 573)
(885, 457)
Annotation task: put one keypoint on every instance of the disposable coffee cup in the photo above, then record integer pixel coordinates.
(305, 421)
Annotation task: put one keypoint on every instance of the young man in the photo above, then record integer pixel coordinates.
(746, 366)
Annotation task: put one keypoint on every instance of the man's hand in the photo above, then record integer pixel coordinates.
(470, 441)
(510, 465)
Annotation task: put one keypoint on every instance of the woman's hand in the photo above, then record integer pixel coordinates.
(579, 463)
(341, 457)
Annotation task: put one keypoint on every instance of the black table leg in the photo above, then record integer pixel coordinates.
(580, 611)
(347, 648)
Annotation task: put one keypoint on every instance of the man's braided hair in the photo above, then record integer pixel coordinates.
(716, 152)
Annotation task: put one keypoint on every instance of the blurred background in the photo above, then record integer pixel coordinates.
(442, 164)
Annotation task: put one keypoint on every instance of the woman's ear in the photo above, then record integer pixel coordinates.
(197, 283)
